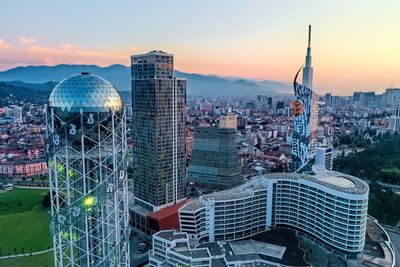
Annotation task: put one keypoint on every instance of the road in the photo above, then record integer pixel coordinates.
(393, 187)
(135, 258)
(26, 254)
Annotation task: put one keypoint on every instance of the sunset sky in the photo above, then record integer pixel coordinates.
(356, 44)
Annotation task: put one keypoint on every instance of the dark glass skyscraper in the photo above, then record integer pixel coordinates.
(214, 161)
(159, 104)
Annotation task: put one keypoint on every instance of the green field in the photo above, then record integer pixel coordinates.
(24, 226)
(20, 200)
(41, 260)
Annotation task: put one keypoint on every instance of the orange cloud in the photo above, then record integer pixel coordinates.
(32, 53)
(27, 40)
(4, 44)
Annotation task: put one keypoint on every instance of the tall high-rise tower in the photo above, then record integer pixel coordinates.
(159, 125)
(86, 149)
(305, 123)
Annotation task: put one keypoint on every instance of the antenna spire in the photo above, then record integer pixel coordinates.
(308, 70)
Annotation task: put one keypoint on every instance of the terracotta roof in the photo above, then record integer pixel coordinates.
(165, 212)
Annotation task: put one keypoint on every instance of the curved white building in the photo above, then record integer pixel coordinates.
(329, 207)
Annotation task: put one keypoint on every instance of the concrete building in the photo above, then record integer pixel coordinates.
(214, 162)
(366, 99)
(14, 112)
(228, 121)
(328, 99)
(305, 110)
(171, 248)
(324, 157)
(392, 96)
(327, 206)
(87, 149)
(394, 120)
(280, 108)
(23, 168)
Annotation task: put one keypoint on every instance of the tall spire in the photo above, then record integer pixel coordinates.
(308, 70)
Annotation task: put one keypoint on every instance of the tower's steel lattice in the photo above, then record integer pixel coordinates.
(88, 184)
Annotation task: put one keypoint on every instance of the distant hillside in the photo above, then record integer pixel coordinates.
(38, 77)
(8, 91)
(47, 86)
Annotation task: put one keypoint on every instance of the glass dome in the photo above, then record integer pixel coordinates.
(85, 91)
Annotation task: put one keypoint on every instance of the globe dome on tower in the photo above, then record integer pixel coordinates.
(86, 92)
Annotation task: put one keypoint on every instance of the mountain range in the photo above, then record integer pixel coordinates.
(45, 77)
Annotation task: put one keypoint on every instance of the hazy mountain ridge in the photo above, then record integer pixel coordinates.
(21, 93)
(38, 77)
(46, 87)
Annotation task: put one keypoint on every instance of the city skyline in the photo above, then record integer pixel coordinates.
(187, 133)
(356, 43)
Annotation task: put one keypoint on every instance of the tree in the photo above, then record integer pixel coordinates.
(46, 201)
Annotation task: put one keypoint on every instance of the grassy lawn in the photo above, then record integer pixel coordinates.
(41, 260)
(24, 223)
(20, 200)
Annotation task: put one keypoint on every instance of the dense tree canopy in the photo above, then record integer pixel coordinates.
(378, 162)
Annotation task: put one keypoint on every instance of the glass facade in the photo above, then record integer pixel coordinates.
(159, 125)
(86, 92)
(305, 124)
(214, 162)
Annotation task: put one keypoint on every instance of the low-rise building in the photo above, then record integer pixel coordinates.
(228, 121)
(25, 168)
(172, 248)
(324, 156)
